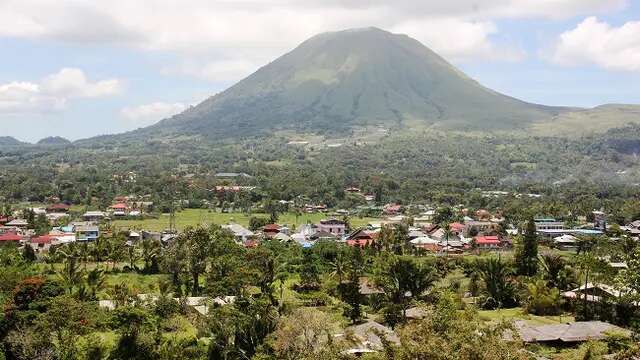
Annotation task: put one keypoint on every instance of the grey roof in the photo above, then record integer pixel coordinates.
(366, 334)
(568, 332)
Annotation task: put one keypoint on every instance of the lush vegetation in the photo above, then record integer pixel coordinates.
(292, 303)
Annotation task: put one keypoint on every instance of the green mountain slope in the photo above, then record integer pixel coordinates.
(589, 121)
(361, 77)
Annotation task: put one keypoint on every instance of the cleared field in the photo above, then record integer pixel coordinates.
(195, 217)
(518, 314)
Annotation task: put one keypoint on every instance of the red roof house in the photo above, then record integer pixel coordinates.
(457, 228)
(360, 238)
(59, 207)
(487, 242)
(119, 206)
(392, 209)
(271, 229)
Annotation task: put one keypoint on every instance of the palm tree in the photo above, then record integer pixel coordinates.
(339, 266)
(149, 251)
(95, 282)
(446, 228)
(498, 289)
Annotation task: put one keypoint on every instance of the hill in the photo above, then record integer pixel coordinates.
(10, 141)
(353, 78)
(589, 121)
(53, 140)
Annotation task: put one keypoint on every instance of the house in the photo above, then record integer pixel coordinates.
(10, 238)
(548, 224)
(94, 216)
(332, 226)
(367, 337)
(594, 292)
(391, 209)
(42, 243)
(324, 235)
(119, 209)
(426, 243)
(473, 227)
(574, 332)
(87, 232)
(566, 242)
(58, 208)
(19, 223)
(270, 230)
(240, 233)
(361, 238)
(63, 235)
(487, 242)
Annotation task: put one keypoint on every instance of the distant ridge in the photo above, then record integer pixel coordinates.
(10, 141)
(53, 140)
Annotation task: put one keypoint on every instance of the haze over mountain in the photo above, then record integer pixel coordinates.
(337, 80)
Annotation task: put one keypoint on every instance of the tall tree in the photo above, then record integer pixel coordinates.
(527, 255)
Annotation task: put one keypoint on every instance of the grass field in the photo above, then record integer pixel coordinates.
(518, 314)
(205, 217)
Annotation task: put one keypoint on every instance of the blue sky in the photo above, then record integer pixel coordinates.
(82, 69)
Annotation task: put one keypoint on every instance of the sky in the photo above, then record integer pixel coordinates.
(84, 68)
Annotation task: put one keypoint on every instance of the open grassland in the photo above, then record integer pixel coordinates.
(517, 314)
(205, 217)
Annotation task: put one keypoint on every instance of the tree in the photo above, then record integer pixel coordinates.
(556, 271)
(498, 289)
(541, 299)
(527, 254)
(403, 279)
(305, 334)
(309, 273)
(28, 254)
(446, 333)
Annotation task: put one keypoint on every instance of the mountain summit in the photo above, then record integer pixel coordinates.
(359, 77)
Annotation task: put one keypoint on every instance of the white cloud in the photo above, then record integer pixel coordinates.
(465, 39)
(597, 42)
(150, 113)
(248, 33)
(53, 92)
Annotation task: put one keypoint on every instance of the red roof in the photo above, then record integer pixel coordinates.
(456, 226)
(4, 220)
(44, 239)
(10, 237)
(359, 242)
(59, 206)
(487, 240)
(119, 206)
(271, 227)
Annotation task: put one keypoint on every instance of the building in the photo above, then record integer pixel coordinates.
(599, 220)
(333, 226)
(119, 209)
(87, 232)
(361, 238)
(548, 224)
(574, 332)
(270, 230)
(487, 242)
(95, 216)
(19, 223)
(58, 208)
(41, 243)
(10, 238)
(240, 233)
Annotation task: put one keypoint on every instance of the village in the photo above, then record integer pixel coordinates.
(417, 230)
